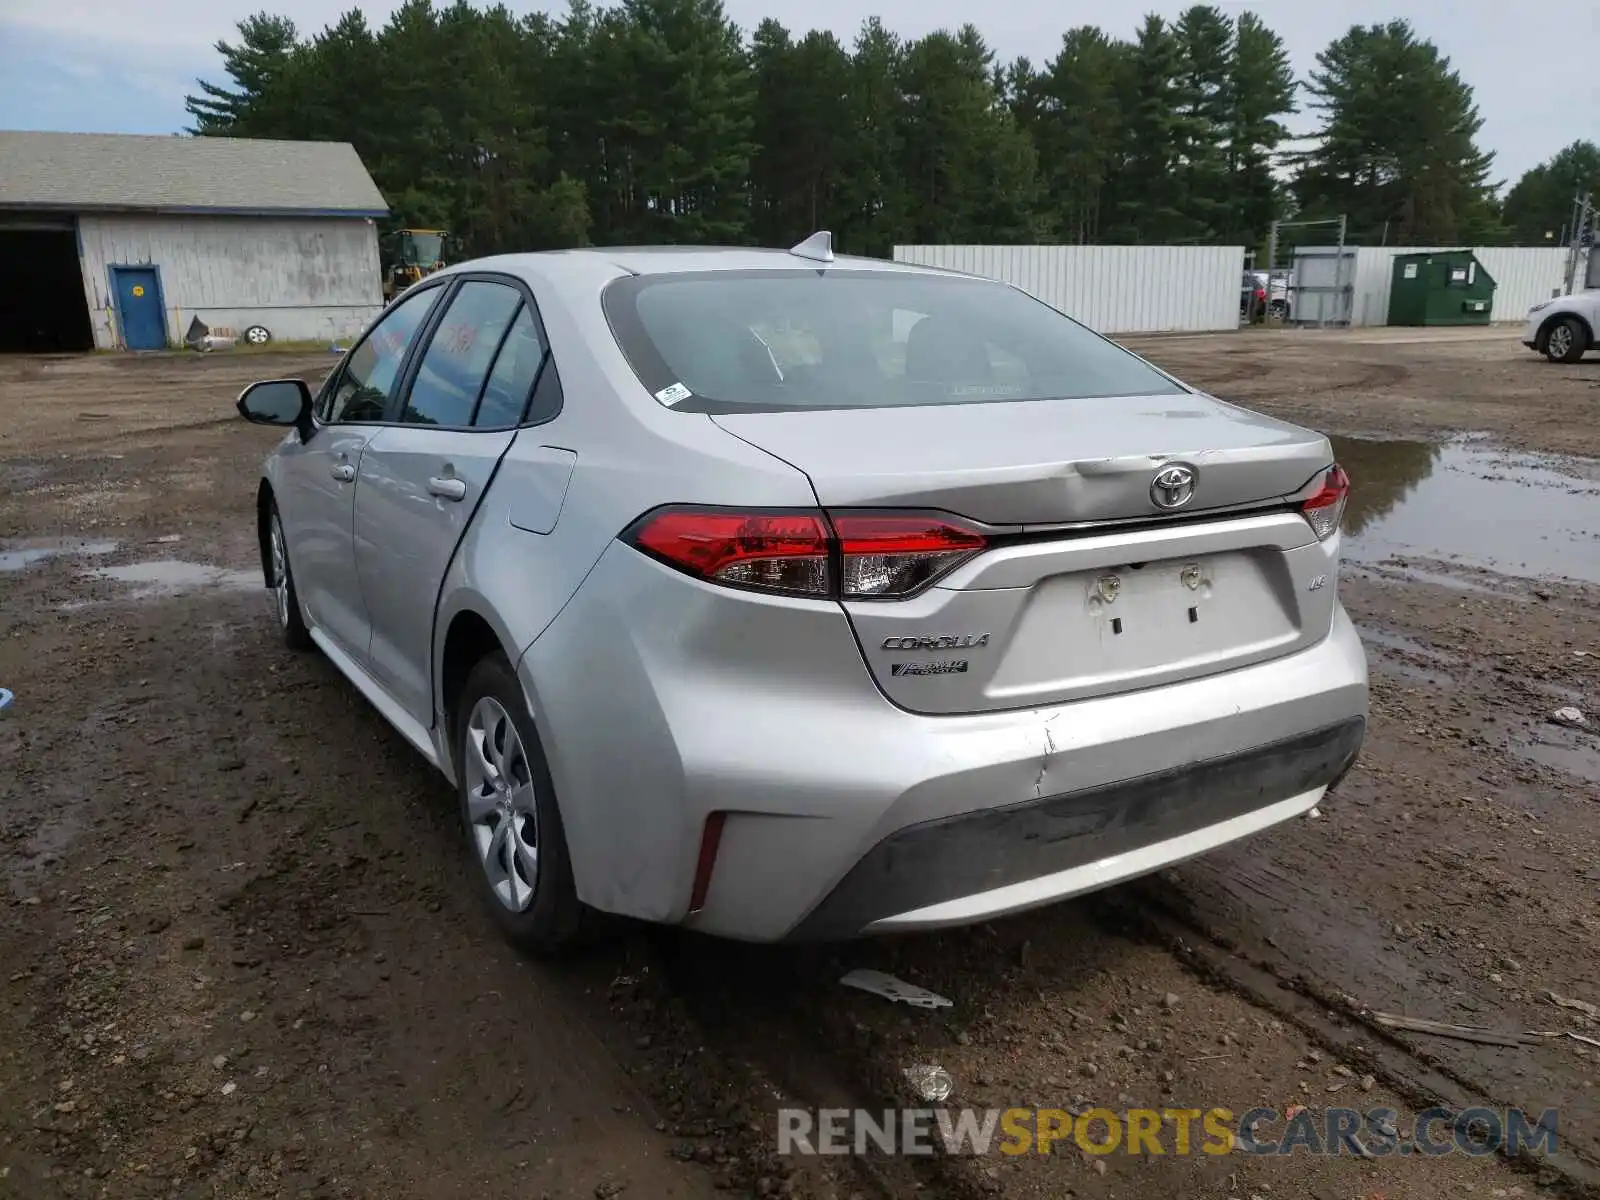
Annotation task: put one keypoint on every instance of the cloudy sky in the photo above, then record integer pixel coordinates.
(123, 66)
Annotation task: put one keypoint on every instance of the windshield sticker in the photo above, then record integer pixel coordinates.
(676, 394)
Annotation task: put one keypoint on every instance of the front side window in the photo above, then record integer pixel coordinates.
(373, 368)
(451, 375)
(754, 341)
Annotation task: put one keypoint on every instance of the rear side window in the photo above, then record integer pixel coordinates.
(515, 370)
(370, 375)
(451, 376)
(754, 341)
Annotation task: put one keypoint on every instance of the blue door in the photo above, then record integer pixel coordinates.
(139, 304)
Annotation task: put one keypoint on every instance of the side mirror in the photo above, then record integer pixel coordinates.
(277, 402)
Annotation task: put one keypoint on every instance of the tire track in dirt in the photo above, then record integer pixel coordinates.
(1156, 912)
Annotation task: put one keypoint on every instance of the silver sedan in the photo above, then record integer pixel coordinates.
(786, 596)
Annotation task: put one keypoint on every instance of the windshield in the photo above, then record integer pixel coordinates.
(421, 249)
(758, 341)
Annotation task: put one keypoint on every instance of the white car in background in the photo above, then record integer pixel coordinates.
(1563, 329)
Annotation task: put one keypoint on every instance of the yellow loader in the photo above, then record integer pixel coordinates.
(409, 255)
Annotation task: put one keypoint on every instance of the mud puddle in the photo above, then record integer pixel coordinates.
(1402, 572)
(1471, 503)
(18, 554)
(1407, 658)
(1577, 753)
(172, 577)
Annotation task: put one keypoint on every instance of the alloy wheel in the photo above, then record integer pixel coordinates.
(280, 573)
(1560, 341)
(501, 805)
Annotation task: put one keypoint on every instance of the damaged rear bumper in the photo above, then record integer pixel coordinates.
(1001, 860)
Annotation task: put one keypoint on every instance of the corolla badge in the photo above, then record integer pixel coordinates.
(948, 641)
(1173, 486)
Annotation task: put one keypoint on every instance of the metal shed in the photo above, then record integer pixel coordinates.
(112, 240)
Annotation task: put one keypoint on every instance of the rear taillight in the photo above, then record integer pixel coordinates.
(1325, 509)
(845, 555)
(772, 551)
(890, 554)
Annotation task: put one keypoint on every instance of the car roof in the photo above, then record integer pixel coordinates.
(603, 263)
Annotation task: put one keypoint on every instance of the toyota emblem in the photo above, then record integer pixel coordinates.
(1173, 486)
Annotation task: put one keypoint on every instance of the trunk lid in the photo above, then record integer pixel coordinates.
(1061, 614)
(1042, 462)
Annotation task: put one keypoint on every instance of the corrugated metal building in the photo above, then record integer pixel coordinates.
(1111, 289)
(112, 240)
(1524, 276)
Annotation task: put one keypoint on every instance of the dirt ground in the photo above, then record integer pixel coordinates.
(239, 956)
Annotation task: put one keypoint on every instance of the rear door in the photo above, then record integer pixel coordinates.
(424, 474)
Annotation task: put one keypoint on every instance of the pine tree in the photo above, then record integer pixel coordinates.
(674, 93)
(772, 129)
(970, 174)
(1540, 205)
(1261, 90)
(1150, 188)
(871, 196)
(801, 130)
(1204, 101)
(1397, 145)
(256, 65)
(1078, 130)
(564, 64)
(1007, 210)
(341, 84)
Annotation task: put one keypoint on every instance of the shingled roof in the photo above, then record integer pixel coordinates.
(112, 172)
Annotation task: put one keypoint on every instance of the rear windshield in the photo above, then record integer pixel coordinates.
(765, 341)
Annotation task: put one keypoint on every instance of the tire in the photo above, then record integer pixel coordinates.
(285, 597)
(543, 916)
(1566, 341)
(258, 335)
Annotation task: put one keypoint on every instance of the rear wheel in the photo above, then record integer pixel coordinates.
(286, 601)
(1566, 341)
(513, 828)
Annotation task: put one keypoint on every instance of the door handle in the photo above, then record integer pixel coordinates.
(447, 487)
(344, 472)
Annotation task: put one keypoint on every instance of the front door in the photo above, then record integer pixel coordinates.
(138, 290)
(319, 476)
(422, 478)
(317, 500)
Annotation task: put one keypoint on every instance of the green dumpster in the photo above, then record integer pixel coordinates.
(1440, 287)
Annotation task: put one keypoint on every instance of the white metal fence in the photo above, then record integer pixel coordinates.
(1111, 289)
(1151, 289)
(1523, 276)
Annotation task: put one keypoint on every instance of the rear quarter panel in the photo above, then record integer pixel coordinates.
(566, 488)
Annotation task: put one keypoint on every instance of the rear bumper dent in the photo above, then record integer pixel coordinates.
(1091, 877)
(1003, 860)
